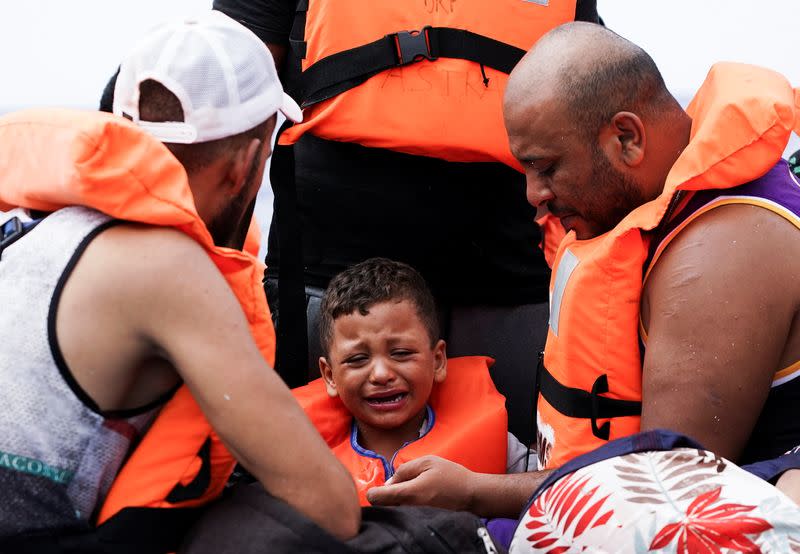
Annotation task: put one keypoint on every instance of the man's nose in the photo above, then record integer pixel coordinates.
(537, 191)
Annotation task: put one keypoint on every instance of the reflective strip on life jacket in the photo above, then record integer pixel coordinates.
(423, 77)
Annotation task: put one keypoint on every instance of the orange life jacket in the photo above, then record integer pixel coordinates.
(106, 163)
(424, 77)
(552, 235)
(470, 425)
(742, 117)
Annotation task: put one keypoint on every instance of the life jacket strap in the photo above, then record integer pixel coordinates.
(345, 70)
(291, 354)
(199, 485)
(579, 403)
(297, 34)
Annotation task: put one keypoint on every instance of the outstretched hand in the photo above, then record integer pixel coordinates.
(427, 481)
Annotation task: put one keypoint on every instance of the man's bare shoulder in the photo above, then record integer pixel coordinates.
(735, 247)
(718, 307)
(158, 245)
(146, 254)
(135, 268)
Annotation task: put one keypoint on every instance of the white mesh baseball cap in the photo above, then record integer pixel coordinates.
(221, 72)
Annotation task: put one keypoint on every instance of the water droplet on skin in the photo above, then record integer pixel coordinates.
(226, 396)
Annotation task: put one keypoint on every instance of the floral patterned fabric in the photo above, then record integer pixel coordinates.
(683, 500)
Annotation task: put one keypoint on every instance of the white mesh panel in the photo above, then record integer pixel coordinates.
(221, 72)
(202, 77)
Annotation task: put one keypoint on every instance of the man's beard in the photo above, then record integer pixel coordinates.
(615, 194)
(229, 227)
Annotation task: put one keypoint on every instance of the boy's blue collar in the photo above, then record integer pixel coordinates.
(388, 466)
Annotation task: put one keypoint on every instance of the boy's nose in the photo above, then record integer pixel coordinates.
(381, 372)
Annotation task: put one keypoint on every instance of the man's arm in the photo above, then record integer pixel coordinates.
(434, 481)
(160, 288)
(718, 308)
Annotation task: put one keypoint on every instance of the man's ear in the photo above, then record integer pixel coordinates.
(327, 376)
(242, 165)
(623, 139)
(440, 361)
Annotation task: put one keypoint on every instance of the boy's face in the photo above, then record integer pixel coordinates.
(382, 365)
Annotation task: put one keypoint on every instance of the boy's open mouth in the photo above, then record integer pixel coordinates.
(386, 399)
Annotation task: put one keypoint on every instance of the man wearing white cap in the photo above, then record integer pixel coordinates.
(131, 317)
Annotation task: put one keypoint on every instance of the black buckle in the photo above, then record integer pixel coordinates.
(600, 386)
(199, 485)
(10, 231)
(413, 46)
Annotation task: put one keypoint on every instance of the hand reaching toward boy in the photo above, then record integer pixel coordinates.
(427, 481)
(434, 481)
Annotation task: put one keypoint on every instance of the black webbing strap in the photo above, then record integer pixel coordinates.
(199, 485)
(291, 356)
(348, 69)
(297, 36)
(579, 403)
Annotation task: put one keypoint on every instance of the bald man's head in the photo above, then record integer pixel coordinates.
(594, 72)
(590, 120)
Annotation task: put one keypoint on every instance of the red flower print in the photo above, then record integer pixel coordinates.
(708, 527)
(569, 501)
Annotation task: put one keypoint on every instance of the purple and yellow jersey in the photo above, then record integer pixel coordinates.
(778, 191)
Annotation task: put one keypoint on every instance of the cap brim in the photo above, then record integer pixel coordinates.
(290, 109)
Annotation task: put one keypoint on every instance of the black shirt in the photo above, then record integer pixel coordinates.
(467, 227)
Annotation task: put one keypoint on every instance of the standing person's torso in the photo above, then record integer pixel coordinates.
(465, 225)
(373, 85)
(58, 452)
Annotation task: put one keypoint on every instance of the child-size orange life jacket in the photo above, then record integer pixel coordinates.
(469, 426)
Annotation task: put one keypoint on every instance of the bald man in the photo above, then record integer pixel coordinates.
(633, 179)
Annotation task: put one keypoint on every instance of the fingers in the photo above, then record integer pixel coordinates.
(414, 483)
(410, 470)
(388, 495)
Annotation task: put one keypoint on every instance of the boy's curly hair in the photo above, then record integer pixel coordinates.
(370, 282)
